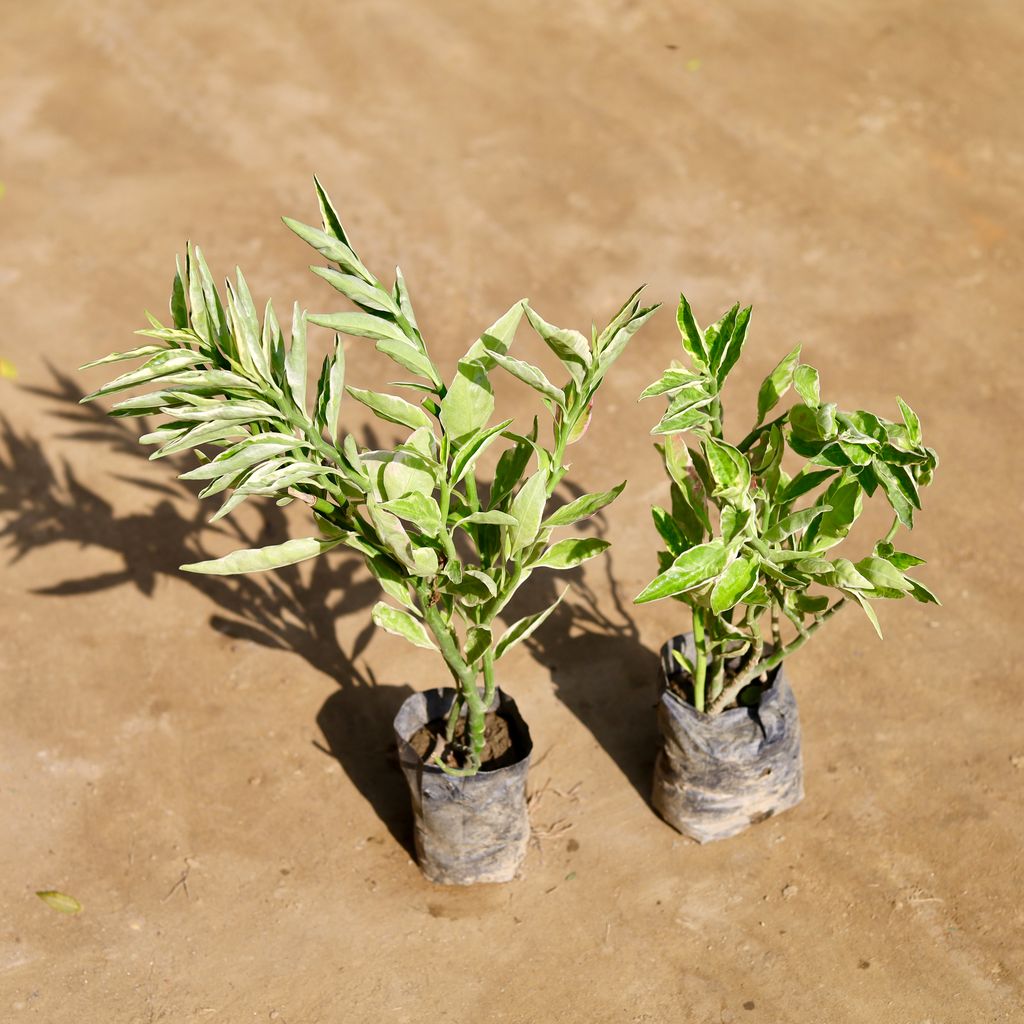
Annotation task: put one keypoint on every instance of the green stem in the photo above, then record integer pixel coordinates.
(464, 675)
(892, 530)
(758, 667)
(489, 685)
(700, 659)
(471, 496)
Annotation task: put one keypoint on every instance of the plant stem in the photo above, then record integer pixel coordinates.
(700, 659)
(757, 667)
(488, 677)
(465, 678)
(892, 530)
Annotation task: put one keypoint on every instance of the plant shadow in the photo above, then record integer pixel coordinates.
(43, 502)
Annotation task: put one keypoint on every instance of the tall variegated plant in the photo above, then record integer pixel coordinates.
(749, 543)
(448, 548)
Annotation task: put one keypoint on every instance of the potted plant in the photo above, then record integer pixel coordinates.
(749, 547)
(448, 548)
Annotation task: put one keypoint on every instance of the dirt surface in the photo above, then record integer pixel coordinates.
(207, 764)
(497, 753)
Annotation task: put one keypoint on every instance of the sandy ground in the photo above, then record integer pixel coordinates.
(207, 767)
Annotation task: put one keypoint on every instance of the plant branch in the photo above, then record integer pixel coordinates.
(757, 667)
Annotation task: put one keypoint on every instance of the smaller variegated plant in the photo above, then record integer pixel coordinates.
(749, 546)
(449, 549)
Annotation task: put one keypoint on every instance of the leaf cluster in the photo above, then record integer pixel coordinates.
(744, 537)
(448, 547)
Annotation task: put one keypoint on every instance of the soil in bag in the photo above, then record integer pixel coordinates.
(499, 748)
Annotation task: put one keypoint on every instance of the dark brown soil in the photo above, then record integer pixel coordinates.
(499, 749)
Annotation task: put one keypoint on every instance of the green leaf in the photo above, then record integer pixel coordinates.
(845, 500)
(729, 467)
(524, 627)
(205, 410)
(200, 433)
(900, 490)
(498, 337)
(167, 362)
(810, 604)
(569, 346)
(392, 408)
(116, 357)
(695, 415)
(468, 403)
(794, 523)
(693, 568)
(243, 315)
(611, 351)
(329, 215)
(919, 592)
(911, 421)
(362, 325)
(844, 576)
(335, 384)
(401, 296)
(419, 509)
(60, 901)
(731, 349)
(570, 552)
(776, 384)
(868, 611)
(330, 247)
(739, 578)
(528, 374)
(402, 624)
(886, 579)
(901, 559)
(472, 449)
(807, 384)
(398, 473)
(371, 297)
(493, 518)
(583, 507)
(295, 361)
(478, 642)
(717, 337)
(803, 483)
(262, 559)
(179, 303)
(671, 380)
(239, 458)
(693, 339)
(527, 509)
(406, 354)
(626, 312)
(509, 471)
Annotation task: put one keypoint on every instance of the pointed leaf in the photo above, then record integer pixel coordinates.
(524, 627)
(392, 408)
(692, 336)
(478, 642)
(527, 509)
(739, 578)
(262, 559)
(570, 552)
(694, 568)
(776, 384)
(583, 507)
(402, 624)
